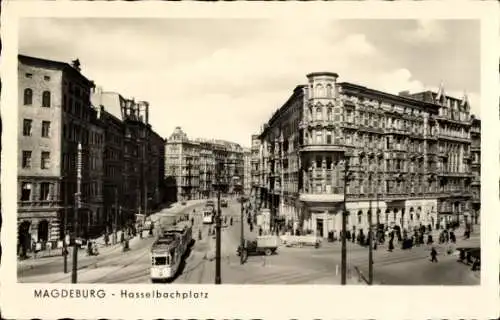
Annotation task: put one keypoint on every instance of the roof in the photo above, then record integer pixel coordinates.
(412, 98)
(296, 93)
(46, 63)
(322, 73)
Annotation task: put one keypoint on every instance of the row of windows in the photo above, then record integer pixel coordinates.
(27, 159)
(77, 133)
(30, 76)
(28, 128)
(43, 190)
(76, 107)
(28, 98)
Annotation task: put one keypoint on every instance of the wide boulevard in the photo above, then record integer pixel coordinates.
(304, 265)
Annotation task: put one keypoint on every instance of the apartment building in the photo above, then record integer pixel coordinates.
(193, 170)
(133, 158)
(255, 170)
(55, 115)
(475, 149)
(406, 158)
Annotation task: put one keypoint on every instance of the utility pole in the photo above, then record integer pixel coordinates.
(370, 244)
(242, 240)
(344, 224)
(65, 244)
(378, 218)
(218, 234)
(76, 211)
(145, 171)
(115, 218)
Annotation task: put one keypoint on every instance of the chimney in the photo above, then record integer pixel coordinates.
(405, 93)
(76, 64)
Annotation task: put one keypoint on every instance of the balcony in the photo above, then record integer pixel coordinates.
(455, 174)
(396, 131)
(40, 204)
(453, 138)
(322, 148)
(321, 197)
(350, 125)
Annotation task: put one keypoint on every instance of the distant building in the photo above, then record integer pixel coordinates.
(247, 171)
(408, 158)
(255, 170)
(192, 170)
(55, 114)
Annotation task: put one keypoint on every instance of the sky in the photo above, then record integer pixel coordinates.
(224, 78)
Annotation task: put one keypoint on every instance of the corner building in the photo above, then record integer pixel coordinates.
(191, 167)
(476, 169)
(55, 114)
(405, 157)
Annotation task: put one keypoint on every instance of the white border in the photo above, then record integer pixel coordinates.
(273, 302)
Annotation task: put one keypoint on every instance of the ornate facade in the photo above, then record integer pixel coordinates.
(407, 156)
(255, 170)
(475, 149)
(191, 169)
(247, 171)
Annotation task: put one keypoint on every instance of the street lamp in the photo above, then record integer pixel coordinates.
(76, 211)
(218, 228)
(242, 239)
(344, 222)
(370, 236)
(64, 220)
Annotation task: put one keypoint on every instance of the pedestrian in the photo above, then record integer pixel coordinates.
(192, 221)
(453, 239)
(429, 239)
(434, 255)
(391, 245)
(89, 248)
(106, 239)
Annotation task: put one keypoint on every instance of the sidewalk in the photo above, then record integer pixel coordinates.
(48, 256)
(104, 252)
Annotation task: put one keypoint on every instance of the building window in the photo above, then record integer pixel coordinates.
(46, 99)
(319, 137)
(45, 129)
(318, 113)
(26, 191)
(27, 126)
(46, 78)
(44, 191)
(329, 90)
(320, 93)
(328, 138)
(28, 97)
(45, 160)
(65, 103)
(29, 75)
(26, 159)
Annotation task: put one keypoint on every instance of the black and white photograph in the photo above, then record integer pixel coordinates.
(350, 157)
(172, 159)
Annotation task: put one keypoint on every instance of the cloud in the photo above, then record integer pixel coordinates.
(426, 31)
(224, 78)
(399, 80)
